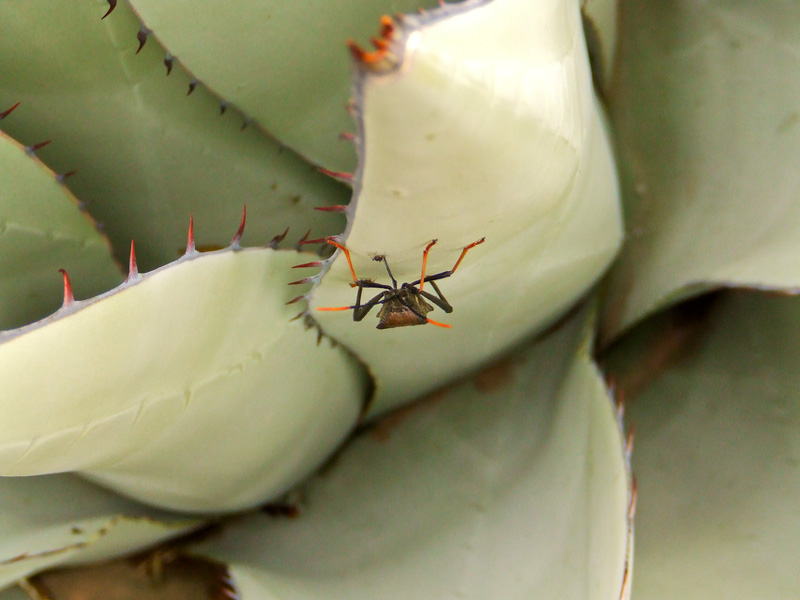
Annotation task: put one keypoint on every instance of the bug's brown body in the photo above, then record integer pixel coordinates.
(405, 307)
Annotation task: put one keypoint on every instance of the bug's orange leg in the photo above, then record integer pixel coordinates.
(463, 252)
(432, 322)
(335, 307)
(333, 242)
(424, 262)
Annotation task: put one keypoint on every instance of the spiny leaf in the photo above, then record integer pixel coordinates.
(717, 458)
(59, 519)
(478, 121)
(709, 137)
(146, 154)
(42, 229)
(189, 387)
(516, 493)
(296, 85)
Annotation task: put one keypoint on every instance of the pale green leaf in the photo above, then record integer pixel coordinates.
(13, 593)
(517, 490)
(600, 24)
(146, 155)
(285, 64)
(60, 520)
(706, 115)
(717, 459)
(488, 128)
(189, 388)
(43, 230)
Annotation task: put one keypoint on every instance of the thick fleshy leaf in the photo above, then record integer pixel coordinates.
(59, 520)
(146, 155)
(705, 109)
(285, 64)
(717, 458)
(600, 24)
(488, 127)
(189, 388)
(41, 231)
(13, 593)
(513, 488)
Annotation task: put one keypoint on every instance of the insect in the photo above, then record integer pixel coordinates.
(400, 306)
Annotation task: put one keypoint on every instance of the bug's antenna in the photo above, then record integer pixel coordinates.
(424, 262)
(388, 270)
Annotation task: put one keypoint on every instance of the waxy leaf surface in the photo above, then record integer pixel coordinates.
(58, 520)
(717, 458)
(514, 488)
(146, 154)
(42, 230)
(705, 111)
(285, 64)
(488, 127)
(190, 388)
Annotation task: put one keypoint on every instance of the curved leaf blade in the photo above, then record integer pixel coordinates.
(285, 64)
(86, 524)
(41, 231)
(488, 127)
(716, 458)
(705, 111)
(146, 154)
(189, 388)
(517, 492)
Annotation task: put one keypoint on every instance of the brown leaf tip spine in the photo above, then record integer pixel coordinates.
(340, 175)
(133, 268)
(191, 248)
(7, 111)
(31, 150)
(62, 176)
(337, 208)
(112, 4)
(303, 280)
(142, 37)
(316, 263)
(68, 297)
(273, 243)
(381, 59)
(236, 241)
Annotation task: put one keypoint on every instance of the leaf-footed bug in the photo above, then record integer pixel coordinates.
(400, 306)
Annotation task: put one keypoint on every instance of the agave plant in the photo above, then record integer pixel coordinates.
(234, 402)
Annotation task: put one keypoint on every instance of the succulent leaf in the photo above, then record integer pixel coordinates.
(59, 520)
(139, 381)
(42, 229)
(146, 155)
(286, 86)
(705, 112)
(13, 593)
(600, 26)
(479, 120)
(717, 458)
(518, 490)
